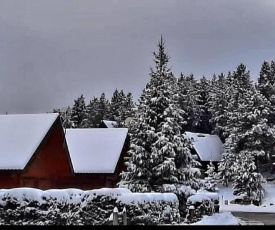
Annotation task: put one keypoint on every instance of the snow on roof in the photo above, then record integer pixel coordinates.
(95, 150)
(109, 124)
(20, 135)
(208, 147)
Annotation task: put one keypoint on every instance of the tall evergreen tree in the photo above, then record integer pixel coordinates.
(248, 132)
(159, 154)
(219, 94)
(203, 92)
(210, 180)
(189, 102)
(266, 81)
(99, 109)
(92, 109)
(116, 104)
(126, 109)
(79, 115)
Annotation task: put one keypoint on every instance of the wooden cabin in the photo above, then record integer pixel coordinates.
(34, 153)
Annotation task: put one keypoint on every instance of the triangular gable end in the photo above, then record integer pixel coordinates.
(20, 137)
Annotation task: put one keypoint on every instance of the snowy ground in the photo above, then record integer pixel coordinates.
(222, 218)
(268, 203)
(226, 218)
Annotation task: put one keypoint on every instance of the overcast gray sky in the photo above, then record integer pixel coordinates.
(52, 51)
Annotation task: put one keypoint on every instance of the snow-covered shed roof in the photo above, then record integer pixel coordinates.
(208, 147)
(20, 136)
(95, 150)
(109, 124)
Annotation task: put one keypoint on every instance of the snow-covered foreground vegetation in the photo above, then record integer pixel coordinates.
(29, 206)
(267, 205)
(124, 196)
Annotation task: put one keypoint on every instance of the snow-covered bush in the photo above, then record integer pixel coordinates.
(201, 205)
(182, 192)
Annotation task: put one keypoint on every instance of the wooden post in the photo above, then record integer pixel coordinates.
(191, 210)
(124, 214)
(115, 216)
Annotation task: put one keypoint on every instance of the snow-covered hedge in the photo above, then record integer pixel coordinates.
(201, 204)
(28, 206)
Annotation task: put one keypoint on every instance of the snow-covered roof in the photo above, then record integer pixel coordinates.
(109, 124)
(208, 147)
(20, 135)
(95, 150)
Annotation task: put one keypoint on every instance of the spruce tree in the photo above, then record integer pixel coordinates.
(248, 132)
(189, 102)
(99, 109)
(159, 154)
(203, 92)
(116, 104)
(266, 81)
(219, 94)
(79, 115)
(210, 180)
(92, 109)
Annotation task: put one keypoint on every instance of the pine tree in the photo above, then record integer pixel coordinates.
(210, 181)
(116, 104)
(219, 94)
(158, 154)
(248, 132)
(247, 182)
(98, 110)
(189, 102)
(121, 107)
(79, 116)
(266, 81)
(226, 170)
(203, 89)
(92, 109)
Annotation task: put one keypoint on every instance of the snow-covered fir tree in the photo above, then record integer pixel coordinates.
(248, 131)
(92, 109)
(128, 107)
(116, 103)
(266, 81)
(225, 169)
(189, 101)
(210, 183)
(219, 94)
(121, 107)
(247, 181)
(159, 154)
(203, 90)
(103, 107)
(98, 110)
(79, 115)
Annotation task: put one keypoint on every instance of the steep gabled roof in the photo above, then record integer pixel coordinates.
(109, 124)
(20, 136)
(208, 147)
(95, 150)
